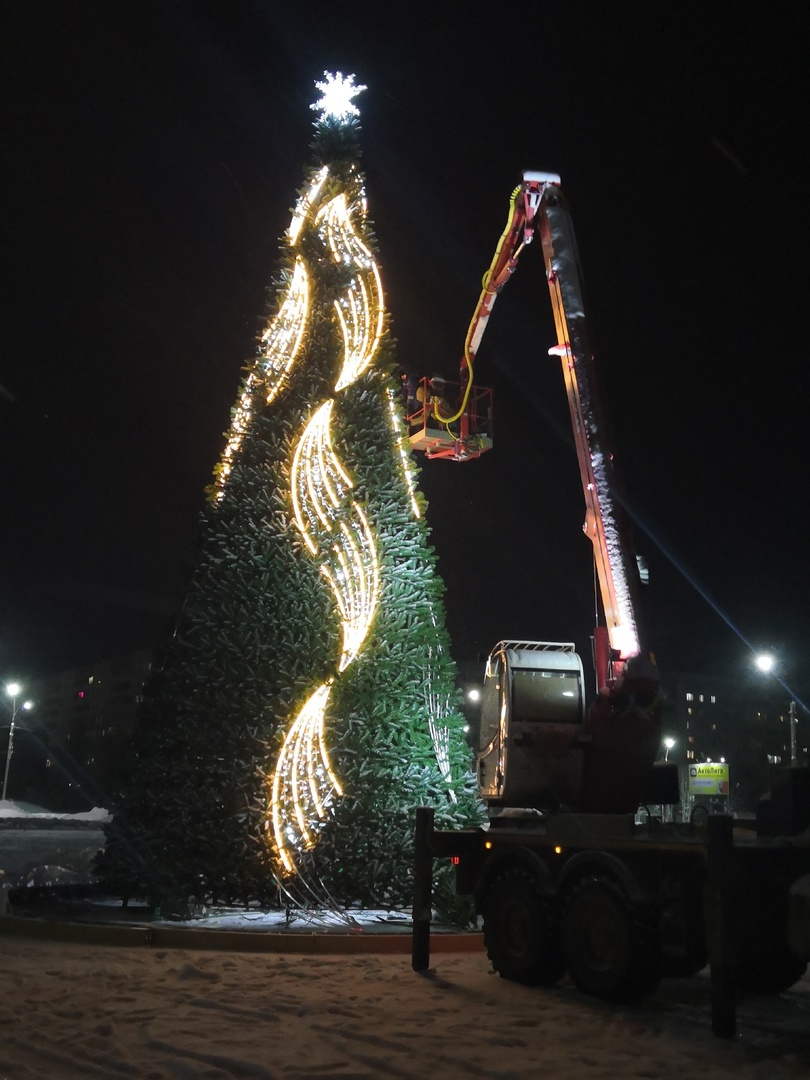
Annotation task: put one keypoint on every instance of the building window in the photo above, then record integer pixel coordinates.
(690, 697)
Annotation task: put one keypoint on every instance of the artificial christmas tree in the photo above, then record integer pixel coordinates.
(306, 706)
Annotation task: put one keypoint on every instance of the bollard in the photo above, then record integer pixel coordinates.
(422, 889)
(719, 854)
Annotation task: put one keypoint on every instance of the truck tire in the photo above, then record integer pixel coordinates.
(610, 944)
(520, 932)
(768, 972)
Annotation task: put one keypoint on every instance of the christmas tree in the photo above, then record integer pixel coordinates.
(307, 703)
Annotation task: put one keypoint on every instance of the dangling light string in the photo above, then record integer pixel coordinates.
(438, 708)
(400, 438)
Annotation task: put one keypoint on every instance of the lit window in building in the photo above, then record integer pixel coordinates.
(713, 699)
(700, 698)
(689, 697)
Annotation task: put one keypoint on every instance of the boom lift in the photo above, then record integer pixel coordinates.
(563, 876)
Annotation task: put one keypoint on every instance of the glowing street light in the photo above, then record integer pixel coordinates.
(668, 743)
(766, 663)
(13, 690)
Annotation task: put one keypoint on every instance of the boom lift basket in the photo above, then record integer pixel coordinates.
(462, 439)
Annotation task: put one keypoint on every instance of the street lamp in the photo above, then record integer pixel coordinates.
(767, 664)
(13, 690)
(668, 743)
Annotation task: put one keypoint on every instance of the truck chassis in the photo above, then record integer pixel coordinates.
(620, 905)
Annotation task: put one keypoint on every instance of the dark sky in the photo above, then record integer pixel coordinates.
(151, 154)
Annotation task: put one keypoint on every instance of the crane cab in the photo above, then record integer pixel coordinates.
(532, 716)
(467, 436)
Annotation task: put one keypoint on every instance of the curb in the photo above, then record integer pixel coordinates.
(171, 937)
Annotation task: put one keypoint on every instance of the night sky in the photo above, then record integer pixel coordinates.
(152, 152)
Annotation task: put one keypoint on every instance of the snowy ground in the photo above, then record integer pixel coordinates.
(73, 1010)
(15, 811)
(76, 1011)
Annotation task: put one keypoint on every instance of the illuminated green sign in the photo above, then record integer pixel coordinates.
(709, 779)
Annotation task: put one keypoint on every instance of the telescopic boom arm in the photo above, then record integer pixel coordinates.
(537, 208)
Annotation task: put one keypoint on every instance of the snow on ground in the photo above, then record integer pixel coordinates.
(76, 1011)
(73, 1011)
(11, 809)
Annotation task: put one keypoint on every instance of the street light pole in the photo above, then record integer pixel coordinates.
(765, 662)
(13, 689)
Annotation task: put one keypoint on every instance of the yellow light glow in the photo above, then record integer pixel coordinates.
(281, 343)
(304, 783)
(405, 461)
(336, 530)
(360, 310)
(304, 205)
(335, 525)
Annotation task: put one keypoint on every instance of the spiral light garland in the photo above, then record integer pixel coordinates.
(336, 531)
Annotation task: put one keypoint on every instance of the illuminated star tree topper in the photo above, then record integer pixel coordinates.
(337, 96)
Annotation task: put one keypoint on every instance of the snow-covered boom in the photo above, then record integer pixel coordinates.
(538, 744)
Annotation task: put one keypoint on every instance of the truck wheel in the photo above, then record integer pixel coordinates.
(768, 972)
(519, 929)
(610, 945)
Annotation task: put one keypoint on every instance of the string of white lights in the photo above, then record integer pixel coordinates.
(403, 450)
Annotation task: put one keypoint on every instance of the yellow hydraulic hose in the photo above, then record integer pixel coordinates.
(486, 292)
